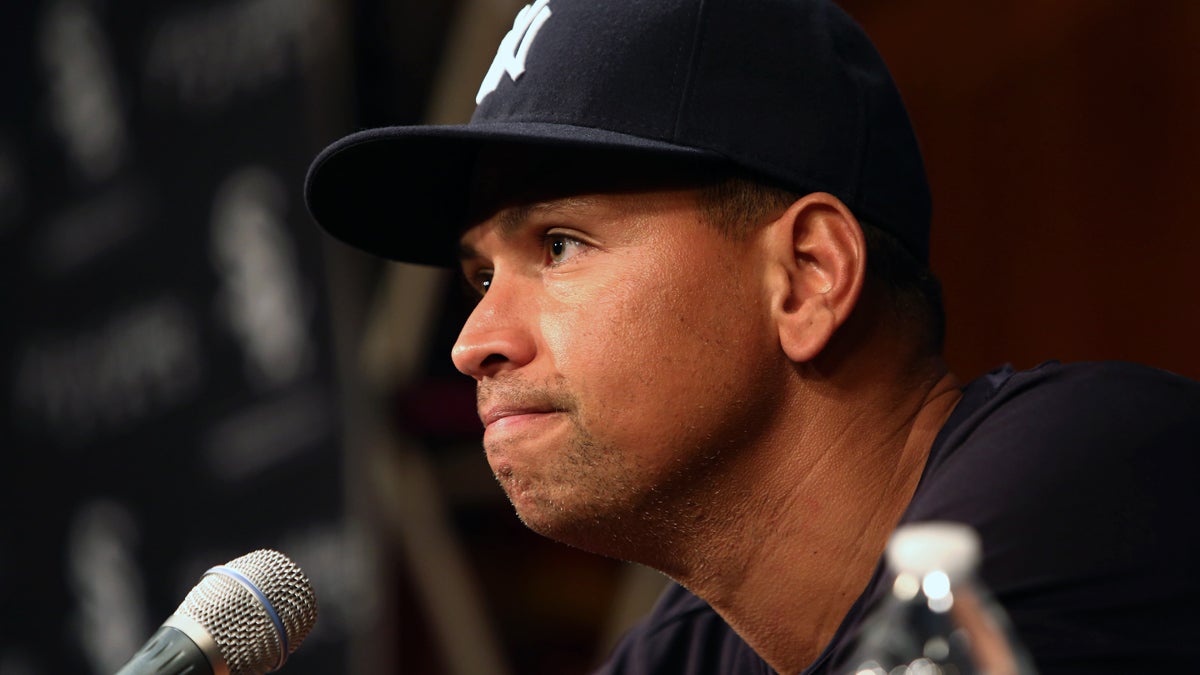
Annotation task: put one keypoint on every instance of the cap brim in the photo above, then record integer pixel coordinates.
(401, 192)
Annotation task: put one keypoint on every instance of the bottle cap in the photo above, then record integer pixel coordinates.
(922, 548)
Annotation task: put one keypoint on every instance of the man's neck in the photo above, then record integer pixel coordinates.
(786, 572)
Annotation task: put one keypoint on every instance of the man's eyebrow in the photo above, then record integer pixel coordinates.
(466, 252)
(513, 218)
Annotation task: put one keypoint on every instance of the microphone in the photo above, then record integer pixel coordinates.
(244, 618)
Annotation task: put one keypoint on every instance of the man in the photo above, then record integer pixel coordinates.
(707, 340)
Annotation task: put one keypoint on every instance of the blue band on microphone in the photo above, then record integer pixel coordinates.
(262, 599)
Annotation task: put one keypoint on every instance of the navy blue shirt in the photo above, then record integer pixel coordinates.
(1082, 482)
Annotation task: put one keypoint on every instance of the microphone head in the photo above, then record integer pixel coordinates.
(257, 608)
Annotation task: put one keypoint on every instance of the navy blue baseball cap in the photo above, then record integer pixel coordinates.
(791, 91)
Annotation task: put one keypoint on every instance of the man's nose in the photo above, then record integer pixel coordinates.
(496, 336)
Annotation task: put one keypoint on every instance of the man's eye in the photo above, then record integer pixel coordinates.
(560, 247)
(479, 282)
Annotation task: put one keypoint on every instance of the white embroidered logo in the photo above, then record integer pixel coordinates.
(510, 57)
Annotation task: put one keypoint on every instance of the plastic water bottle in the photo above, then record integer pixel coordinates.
(937, 618)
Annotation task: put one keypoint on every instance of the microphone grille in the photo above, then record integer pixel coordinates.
(238, 621)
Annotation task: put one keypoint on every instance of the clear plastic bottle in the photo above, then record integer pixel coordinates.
(937, 618)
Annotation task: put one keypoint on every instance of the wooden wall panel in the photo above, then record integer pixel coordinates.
(1063, 146)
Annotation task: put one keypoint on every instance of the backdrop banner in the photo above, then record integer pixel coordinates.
(165, 357)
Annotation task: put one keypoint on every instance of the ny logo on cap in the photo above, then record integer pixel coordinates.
(510, 57)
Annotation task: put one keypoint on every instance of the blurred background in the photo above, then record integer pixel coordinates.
(191, 370)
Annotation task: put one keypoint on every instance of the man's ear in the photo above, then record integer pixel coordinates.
(818, 261)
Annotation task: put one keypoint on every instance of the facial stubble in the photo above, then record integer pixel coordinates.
(584, 493)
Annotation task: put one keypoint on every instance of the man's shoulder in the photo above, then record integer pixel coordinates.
(1079, 479)
(1050, 429)
(1077, 407)
(1093, 380)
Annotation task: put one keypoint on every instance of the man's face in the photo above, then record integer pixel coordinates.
(623, 354)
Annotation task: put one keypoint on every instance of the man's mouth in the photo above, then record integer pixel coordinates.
(513, 421)
(509, 415)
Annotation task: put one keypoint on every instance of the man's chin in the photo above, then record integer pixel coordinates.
(592, 532)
